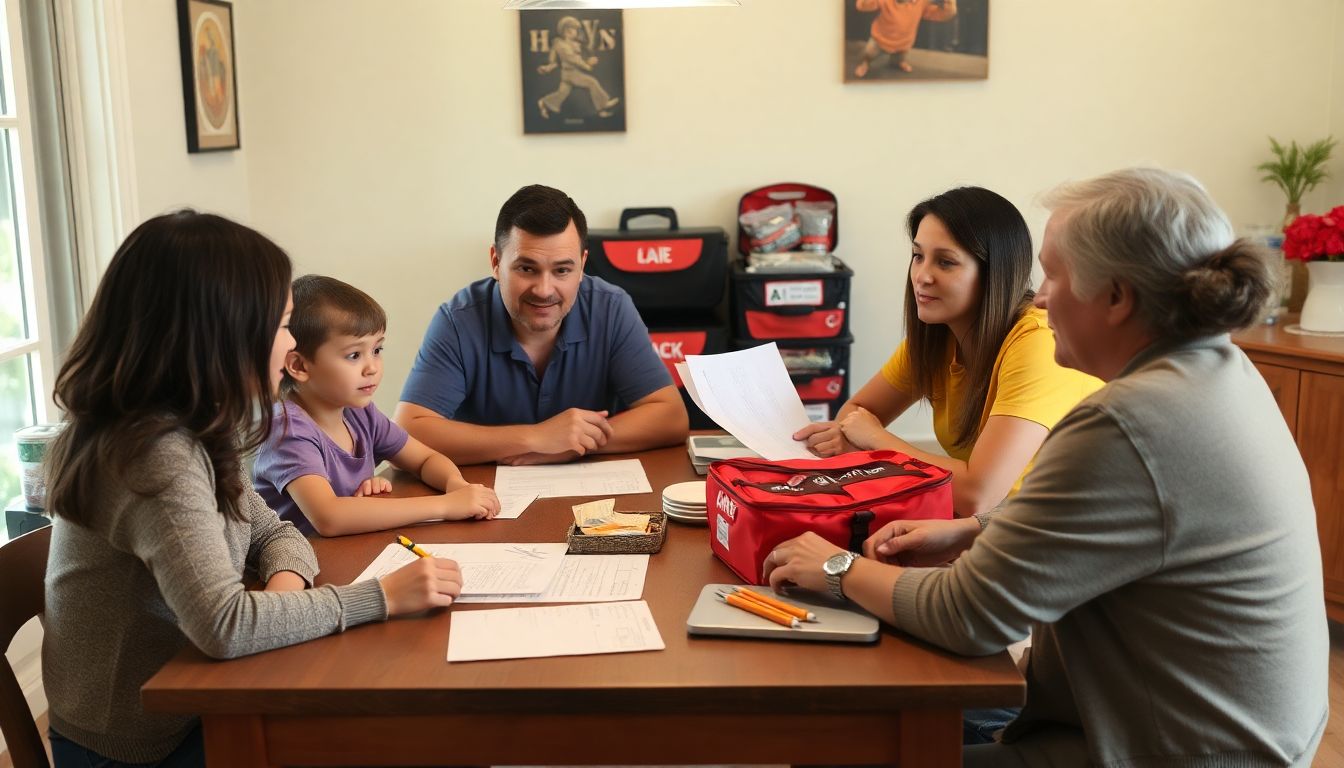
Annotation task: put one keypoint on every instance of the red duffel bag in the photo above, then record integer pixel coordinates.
(754, 504)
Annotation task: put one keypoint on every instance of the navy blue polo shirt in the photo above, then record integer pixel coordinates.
(471, 368)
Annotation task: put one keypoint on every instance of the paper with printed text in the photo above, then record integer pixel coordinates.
(585, 579)
(558, 630)
(749, 393)
(590, 478)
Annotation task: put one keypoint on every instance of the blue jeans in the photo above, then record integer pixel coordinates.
(67, 754)
(978, 726)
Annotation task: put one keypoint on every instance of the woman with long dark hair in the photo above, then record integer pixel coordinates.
(974, 348)
(168, 384)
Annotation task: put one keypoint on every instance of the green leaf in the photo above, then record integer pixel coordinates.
(1297, 170)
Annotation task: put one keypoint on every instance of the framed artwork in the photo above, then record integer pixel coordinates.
(894, 40)
(209, 75)
(573, 71)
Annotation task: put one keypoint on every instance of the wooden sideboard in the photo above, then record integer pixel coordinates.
(1306, 375)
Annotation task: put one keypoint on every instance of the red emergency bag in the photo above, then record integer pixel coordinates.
(754, 504)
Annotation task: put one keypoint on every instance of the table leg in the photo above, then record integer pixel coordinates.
(235, 740)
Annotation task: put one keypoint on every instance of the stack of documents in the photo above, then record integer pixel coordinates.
(540, 573)
(704, 449)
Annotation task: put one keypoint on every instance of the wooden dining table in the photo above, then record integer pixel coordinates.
(384, 694)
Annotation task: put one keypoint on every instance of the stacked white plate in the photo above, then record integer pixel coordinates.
(685, 502)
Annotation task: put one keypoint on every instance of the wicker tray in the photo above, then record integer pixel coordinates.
(643, 544)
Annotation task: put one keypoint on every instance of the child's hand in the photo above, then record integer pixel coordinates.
(373, 487)
(473, 502)
(426, 583)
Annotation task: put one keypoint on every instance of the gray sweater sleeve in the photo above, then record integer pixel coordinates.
(276, 545)
(1086, 521)
(189, 548)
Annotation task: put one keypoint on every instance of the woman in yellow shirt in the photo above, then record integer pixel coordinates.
(975, 348)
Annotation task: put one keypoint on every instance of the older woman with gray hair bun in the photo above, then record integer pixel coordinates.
(1163, 551)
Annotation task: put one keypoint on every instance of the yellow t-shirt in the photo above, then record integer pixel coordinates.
(1026, 382)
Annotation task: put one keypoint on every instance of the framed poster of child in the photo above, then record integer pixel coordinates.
(573, 71)
(893, 40)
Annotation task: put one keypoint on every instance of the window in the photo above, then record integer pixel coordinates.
(26, 359)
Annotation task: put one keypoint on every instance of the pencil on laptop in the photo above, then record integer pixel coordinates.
(760, 609)
(779, 605)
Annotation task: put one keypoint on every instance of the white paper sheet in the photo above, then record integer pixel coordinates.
(594, 478)
(512, 505)
(559, 630)
(487, 569)
(749, 393)
(585, 579)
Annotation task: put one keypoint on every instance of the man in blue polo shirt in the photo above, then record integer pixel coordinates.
(538, 363)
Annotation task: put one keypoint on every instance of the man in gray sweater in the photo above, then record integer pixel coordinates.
(1163, 552)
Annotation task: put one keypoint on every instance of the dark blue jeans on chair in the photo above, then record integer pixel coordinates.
(67, 754)
(978, 726)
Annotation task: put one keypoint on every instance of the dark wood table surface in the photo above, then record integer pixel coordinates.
(383, 694)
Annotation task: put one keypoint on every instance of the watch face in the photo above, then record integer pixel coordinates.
(837, 564)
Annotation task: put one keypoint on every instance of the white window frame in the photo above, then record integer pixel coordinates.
(27, 227)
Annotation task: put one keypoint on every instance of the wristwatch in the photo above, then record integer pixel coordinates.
(835, 568)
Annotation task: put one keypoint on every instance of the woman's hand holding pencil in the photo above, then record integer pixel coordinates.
(428, 582)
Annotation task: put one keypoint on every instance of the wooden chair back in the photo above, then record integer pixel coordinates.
(23, 569)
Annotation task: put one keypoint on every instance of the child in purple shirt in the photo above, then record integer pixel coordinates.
(316, 469)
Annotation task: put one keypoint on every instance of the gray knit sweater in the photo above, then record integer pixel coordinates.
(1164, 552)
(156, 573)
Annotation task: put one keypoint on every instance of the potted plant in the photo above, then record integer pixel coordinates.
(1319, 242)
(1297, 170)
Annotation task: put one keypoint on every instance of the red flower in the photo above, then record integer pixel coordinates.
(1315, 237)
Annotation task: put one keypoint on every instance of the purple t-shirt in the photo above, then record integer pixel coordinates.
(298, 447)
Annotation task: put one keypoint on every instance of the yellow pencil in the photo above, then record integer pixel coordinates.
(760, 609)
(411, 545)
(779, 605)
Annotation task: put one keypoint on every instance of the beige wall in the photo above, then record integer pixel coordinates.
(380, 139)
(166, 176)
(1336, 184)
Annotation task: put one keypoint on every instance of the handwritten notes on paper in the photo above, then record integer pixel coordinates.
(594, 478)
(562, 630)
(487, 569)
(576, 578)
(585, 579)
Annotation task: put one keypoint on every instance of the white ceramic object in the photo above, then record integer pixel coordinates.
(1323, 311)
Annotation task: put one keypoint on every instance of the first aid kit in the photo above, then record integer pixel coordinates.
(755, 505)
